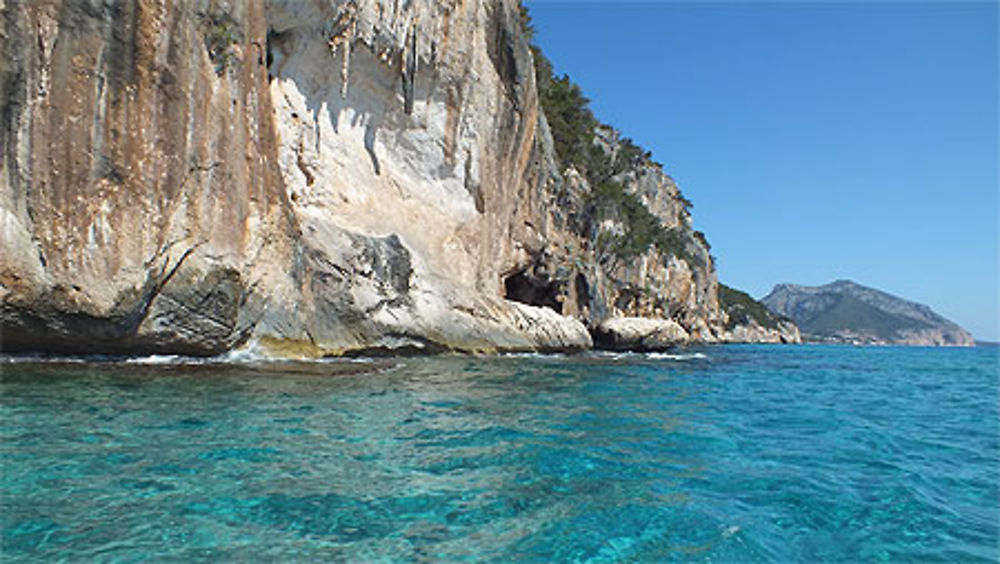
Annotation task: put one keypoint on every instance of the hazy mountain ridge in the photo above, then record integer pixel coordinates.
(844, 311)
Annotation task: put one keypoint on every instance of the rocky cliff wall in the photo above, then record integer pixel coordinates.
(585, 271)
(182, 176)
(317, 177)
(415, 123)
(138, 188)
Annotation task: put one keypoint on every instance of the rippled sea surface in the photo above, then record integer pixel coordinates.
(734, 453)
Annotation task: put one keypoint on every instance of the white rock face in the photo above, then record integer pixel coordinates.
(323, 177)
(395, 125)
(350, 154)
(640, 334)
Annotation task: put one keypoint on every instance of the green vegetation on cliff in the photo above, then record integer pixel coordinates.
(610, 200)
(573, 128)
(741, 308)
(220, 32)
(570, 120)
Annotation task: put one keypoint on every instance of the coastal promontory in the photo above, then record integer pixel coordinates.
(325, 178)
(847, 312)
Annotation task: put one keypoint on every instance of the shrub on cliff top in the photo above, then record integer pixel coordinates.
(570, 120)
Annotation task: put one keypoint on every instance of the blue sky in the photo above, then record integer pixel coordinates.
(818, 141)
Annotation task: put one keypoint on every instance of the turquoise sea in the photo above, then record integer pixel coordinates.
(717, 454)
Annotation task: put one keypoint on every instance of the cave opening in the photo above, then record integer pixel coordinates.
(269, 54)
(582, 291)
(532, 290)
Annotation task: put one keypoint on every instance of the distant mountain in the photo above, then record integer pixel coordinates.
(847, 312)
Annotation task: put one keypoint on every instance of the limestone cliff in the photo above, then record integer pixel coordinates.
(137, 190)
(319, 177)
(595, 268)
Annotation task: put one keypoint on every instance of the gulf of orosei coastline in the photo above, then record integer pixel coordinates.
(727, 453)
(331, 179)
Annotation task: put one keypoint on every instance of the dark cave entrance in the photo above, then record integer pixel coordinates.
(532, 290)
(273, 37)
(582, 291)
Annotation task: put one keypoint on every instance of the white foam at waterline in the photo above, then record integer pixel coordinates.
(35, 358)
(242, 356)
(160, 359)
(631, 355)
(250, 352)
(540, 355)
(253, 353)
(674, 356)
(613, 354)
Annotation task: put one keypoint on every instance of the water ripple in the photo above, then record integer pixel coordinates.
(736, 453)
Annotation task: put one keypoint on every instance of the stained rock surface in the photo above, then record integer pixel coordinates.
(315, 177)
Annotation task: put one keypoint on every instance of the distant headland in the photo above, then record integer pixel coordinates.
(847, 312)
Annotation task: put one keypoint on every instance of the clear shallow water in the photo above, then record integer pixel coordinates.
(741, 453)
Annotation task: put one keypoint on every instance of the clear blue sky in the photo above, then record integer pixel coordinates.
(817, 141)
